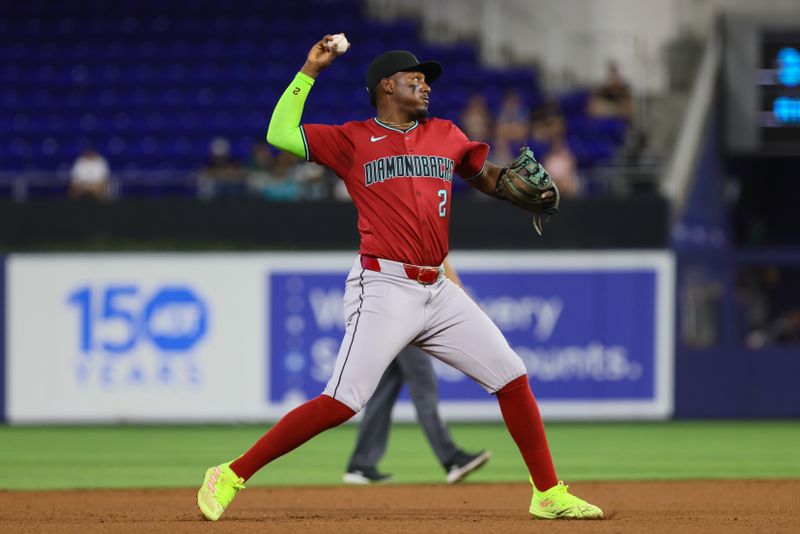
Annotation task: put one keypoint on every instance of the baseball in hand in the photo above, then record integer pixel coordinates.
(339, 43)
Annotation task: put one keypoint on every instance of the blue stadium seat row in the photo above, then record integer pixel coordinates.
(152, 83)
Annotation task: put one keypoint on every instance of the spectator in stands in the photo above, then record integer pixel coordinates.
(614, 98)
(783, 330)
(768, 295)
(636, 149)
(547, 124)
(284, 178)
(261, 160)
(512, 127)
(476, 120)
(562, 165)
(225, 174)
(259, 167)
(315, 181)
(282, 184)
(90, 176)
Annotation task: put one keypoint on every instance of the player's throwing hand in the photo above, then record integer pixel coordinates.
(324, 52)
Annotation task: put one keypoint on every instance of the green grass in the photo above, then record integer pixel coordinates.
(177, 456)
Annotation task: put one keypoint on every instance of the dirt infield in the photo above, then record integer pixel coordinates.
(670, 507)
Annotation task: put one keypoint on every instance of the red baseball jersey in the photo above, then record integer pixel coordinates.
(400, 181)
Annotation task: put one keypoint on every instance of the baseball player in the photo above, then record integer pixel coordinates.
(414, 368)
(398, 167)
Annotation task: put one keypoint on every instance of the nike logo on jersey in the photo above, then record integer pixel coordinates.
(373, 138)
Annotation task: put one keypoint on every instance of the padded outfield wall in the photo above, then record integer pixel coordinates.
(156, 337)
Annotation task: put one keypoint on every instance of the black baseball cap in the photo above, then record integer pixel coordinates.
(395, 61)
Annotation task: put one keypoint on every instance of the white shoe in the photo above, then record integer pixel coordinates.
(368, 475)
(464, 464)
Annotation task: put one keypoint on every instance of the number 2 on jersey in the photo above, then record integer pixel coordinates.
(443, 204)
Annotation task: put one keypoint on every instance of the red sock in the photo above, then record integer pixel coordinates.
(294, 429)
(524, 423)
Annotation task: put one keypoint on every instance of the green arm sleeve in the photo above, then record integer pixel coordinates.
(284, 130)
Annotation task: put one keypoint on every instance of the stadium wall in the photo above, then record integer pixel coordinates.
(109, 338)
(236, 224)
(2, 338)
(716, 374)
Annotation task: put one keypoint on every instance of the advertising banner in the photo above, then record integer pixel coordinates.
(595, 332)
(244, 337)
(134, 337)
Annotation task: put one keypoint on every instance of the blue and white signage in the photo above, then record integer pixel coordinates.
(118, 324)
(594, 331)
(307, 326)
(244, 337)
(134, 337)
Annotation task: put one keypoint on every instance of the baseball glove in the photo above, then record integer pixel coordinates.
(524, 183)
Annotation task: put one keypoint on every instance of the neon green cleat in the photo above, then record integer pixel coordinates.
(558, 503)
(218, 490)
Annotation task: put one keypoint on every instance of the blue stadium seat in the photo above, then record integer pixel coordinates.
(153, 82)
(574, 102)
